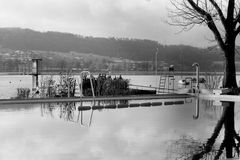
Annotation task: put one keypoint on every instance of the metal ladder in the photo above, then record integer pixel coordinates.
(80, 113)
(162, 82)
(163, 87)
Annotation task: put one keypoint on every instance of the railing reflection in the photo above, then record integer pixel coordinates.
(196, 116)
(212, 109)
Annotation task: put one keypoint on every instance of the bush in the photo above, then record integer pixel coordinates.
(23, 93)
(47, 88)
(66, 86)
(104, 85)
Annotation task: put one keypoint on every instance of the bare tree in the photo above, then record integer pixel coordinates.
(222, 17)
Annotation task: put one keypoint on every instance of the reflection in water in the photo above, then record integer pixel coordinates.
(47, 109)
(82, 121)
(68, 111)
(65, 110)
(186, 146)
(196, 109)
(136, 133)
(77, 112)
(212, 109)
(229, 147)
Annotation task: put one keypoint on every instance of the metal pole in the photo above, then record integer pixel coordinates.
(173, 81)
(197, 74)
(156, 61)
(91, 82)
(92, 87)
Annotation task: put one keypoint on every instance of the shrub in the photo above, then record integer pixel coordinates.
(23, 93)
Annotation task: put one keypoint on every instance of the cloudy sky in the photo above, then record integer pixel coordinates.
(144, 19)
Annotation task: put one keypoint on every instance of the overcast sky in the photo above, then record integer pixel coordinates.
(144, 19)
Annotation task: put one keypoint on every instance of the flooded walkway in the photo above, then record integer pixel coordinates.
(102, 98)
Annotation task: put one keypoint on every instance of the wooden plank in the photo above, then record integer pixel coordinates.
(78, 99)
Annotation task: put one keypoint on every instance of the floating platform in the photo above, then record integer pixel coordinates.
(100, 98)
(122, 105)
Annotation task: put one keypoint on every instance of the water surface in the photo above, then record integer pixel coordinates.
(45, 131)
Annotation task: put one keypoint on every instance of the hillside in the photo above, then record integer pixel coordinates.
(132, 49)
(26, 39)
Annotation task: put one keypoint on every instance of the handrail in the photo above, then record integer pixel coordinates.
(81, 95)
(149, 87)
(91, 82)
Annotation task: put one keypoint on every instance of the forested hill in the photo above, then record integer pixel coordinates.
(26, 39)
(133, 49)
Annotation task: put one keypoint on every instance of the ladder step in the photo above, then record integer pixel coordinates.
(162, 83)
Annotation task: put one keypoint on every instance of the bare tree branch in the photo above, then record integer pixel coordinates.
(210, 23)
(237, 19)
(190, 12)
(223, 19)
(237, 31)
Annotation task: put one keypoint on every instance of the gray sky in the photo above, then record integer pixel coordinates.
(144, 19)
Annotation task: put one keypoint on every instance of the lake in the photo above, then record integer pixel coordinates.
(49, 131)
(61, 132)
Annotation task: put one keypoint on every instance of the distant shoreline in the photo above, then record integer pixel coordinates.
(150, 73)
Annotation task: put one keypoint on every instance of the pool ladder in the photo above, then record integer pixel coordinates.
(162, 83)
(166, 76)
(81, 95)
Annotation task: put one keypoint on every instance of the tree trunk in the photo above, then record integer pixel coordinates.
(229, 79)
(229, 129)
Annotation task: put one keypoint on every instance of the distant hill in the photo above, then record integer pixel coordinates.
(26, 39)
(133, 49)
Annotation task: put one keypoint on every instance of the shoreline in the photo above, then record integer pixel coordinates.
(150, 73)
